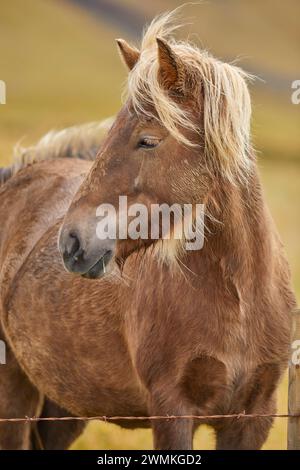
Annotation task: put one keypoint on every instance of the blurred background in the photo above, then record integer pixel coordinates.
(61, 67)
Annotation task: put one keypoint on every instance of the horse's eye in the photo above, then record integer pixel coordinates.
(148, 142)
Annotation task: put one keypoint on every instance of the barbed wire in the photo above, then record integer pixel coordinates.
(29, 419)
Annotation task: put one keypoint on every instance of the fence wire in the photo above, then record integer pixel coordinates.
(29, 419)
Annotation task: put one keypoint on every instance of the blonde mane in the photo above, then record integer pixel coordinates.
(220, 88)
(80, 141)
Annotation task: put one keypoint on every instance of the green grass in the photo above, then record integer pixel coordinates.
(62, 68)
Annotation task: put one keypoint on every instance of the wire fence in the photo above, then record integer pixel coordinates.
(29, 419)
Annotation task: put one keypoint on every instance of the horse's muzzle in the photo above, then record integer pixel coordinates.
(90, 264)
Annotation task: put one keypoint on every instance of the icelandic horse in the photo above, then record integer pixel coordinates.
(142, 327)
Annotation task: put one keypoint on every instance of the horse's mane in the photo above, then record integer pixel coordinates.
(80, 141)
(222, 86)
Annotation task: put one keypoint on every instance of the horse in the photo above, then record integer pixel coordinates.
(134, 326)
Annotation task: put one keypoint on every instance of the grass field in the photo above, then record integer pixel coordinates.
(61, 67)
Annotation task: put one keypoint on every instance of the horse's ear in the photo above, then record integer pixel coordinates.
(129, 54)
(171, 70)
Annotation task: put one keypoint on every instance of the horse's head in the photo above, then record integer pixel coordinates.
(184, 126)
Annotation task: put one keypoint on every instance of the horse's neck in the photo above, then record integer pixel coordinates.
(240, 240)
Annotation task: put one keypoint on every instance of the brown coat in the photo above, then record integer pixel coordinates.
(174, 332)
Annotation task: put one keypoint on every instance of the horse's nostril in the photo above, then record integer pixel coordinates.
(73, 247)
